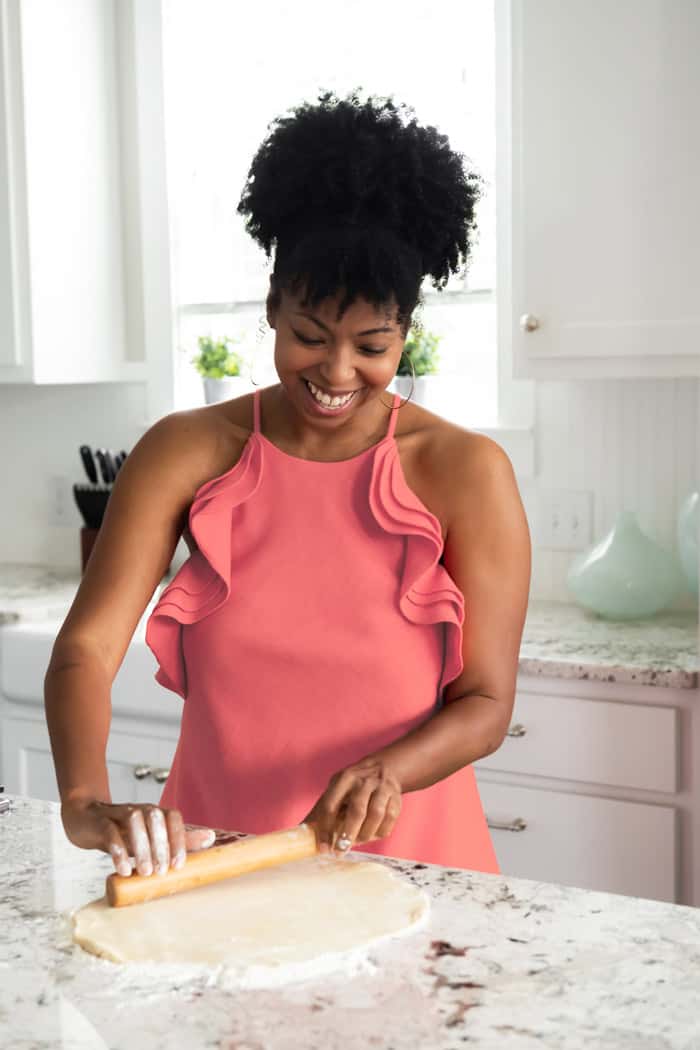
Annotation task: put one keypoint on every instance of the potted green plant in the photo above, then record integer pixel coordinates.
(221, 368)
(420, 350)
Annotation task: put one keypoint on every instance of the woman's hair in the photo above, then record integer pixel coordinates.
(357, 199)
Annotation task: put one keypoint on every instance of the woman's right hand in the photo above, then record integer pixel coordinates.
(156, 839)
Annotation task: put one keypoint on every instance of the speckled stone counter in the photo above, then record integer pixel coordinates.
(560, 640)
(34, 592)
(503, 963)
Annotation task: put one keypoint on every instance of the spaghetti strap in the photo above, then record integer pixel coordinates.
(394, 416)
(256, 411)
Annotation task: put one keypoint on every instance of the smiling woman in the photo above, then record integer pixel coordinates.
(346, 672)
(317, 624)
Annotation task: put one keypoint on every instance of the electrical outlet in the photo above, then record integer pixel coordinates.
(565, 520)
(59, 501)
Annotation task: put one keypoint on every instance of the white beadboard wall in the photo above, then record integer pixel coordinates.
(632, 443)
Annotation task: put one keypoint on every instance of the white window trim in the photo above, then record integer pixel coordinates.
(139, 36)
(140, 25)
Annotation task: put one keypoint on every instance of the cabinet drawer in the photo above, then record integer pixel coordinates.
(597, 741)
(593, 843)
(138, 764)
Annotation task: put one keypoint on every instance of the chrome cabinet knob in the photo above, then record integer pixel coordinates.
(161, 775)
(142, 771)
(528, 322)
(516, 730)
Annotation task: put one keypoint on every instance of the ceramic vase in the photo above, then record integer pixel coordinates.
(688, 539)
(626, 576)
(225, 388)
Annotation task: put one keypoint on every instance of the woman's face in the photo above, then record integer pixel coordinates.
(357, 356)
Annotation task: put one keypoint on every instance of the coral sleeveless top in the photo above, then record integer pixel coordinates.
(313, 625)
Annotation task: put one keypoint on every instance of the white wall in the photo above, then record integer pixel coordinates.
(632, 443)
(41, 430)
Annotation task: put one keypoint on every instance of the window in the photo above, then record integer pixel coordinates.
(229, 70)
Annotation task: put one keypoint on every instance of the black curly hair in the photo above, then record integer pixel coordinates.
(356, 199)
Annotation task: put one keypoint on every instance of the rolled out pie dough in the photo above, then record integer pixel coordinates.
(281, 917)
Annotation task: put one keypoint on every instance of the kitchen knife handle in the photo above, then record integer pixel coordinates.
(88, 463)
(119, 459)
(104, 468)
(214, 864)
(111, 465)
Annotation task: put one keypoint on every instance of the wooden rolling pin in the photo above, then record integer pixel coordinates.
(215, 863)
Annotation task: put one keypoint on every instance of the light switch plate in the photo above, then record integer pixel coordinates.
(564, 520)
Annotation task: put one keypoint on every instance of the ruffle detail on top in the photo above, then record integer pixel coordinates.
(203, 582)
(427, 592)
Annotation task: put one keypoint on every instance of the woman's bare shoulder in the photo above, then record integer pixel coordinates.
(434, 453)
(207, 441)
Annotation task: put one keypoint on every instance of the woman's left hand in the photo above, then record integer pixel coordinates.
(362, 802)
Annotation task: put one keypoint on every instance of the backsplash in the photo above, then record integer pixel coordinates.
(45, 426)
(632, 443)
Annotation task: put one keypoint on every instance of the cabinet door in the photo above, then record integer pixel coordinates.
(72, 304)
(27, 764)
(28, 768)
(137, 765)
(605, 145)
(579, 840)
(14, 262)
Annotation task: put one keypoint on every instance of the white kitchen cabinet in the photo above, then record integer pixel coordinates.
(592, 787)
(145, 718)
(581, 840)
(71, 284)
(138, 756)
(603, 165)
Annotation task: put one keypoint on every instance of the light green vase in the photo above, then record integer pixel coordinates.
(626, 576)
(688, 538)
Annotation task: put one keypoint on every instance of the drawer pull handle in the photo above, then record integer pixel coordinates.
(517, 730)
(161, 775)
(142, 771)
(503, 825)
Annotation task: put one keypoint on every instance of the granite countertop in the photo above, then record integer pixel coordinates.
(34, 592)
(560, 639)
(502, 962)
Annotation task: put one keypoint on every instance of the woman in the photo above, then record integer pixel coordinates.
(339, 538)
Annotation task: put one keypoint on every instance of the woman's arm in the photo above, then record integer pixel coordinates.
(142, 525)
(134, 546)
(488, 555)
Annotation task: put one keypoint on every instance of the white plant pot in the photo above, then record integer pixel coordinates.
(422, 393)
(226, 388)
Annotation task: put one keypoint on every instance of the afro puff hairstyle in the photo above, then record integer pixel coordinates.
(357, 197)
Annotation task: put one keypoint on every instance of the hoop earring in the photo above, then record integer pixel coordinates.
(413, 383)
(258, 339)
(252, 368)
